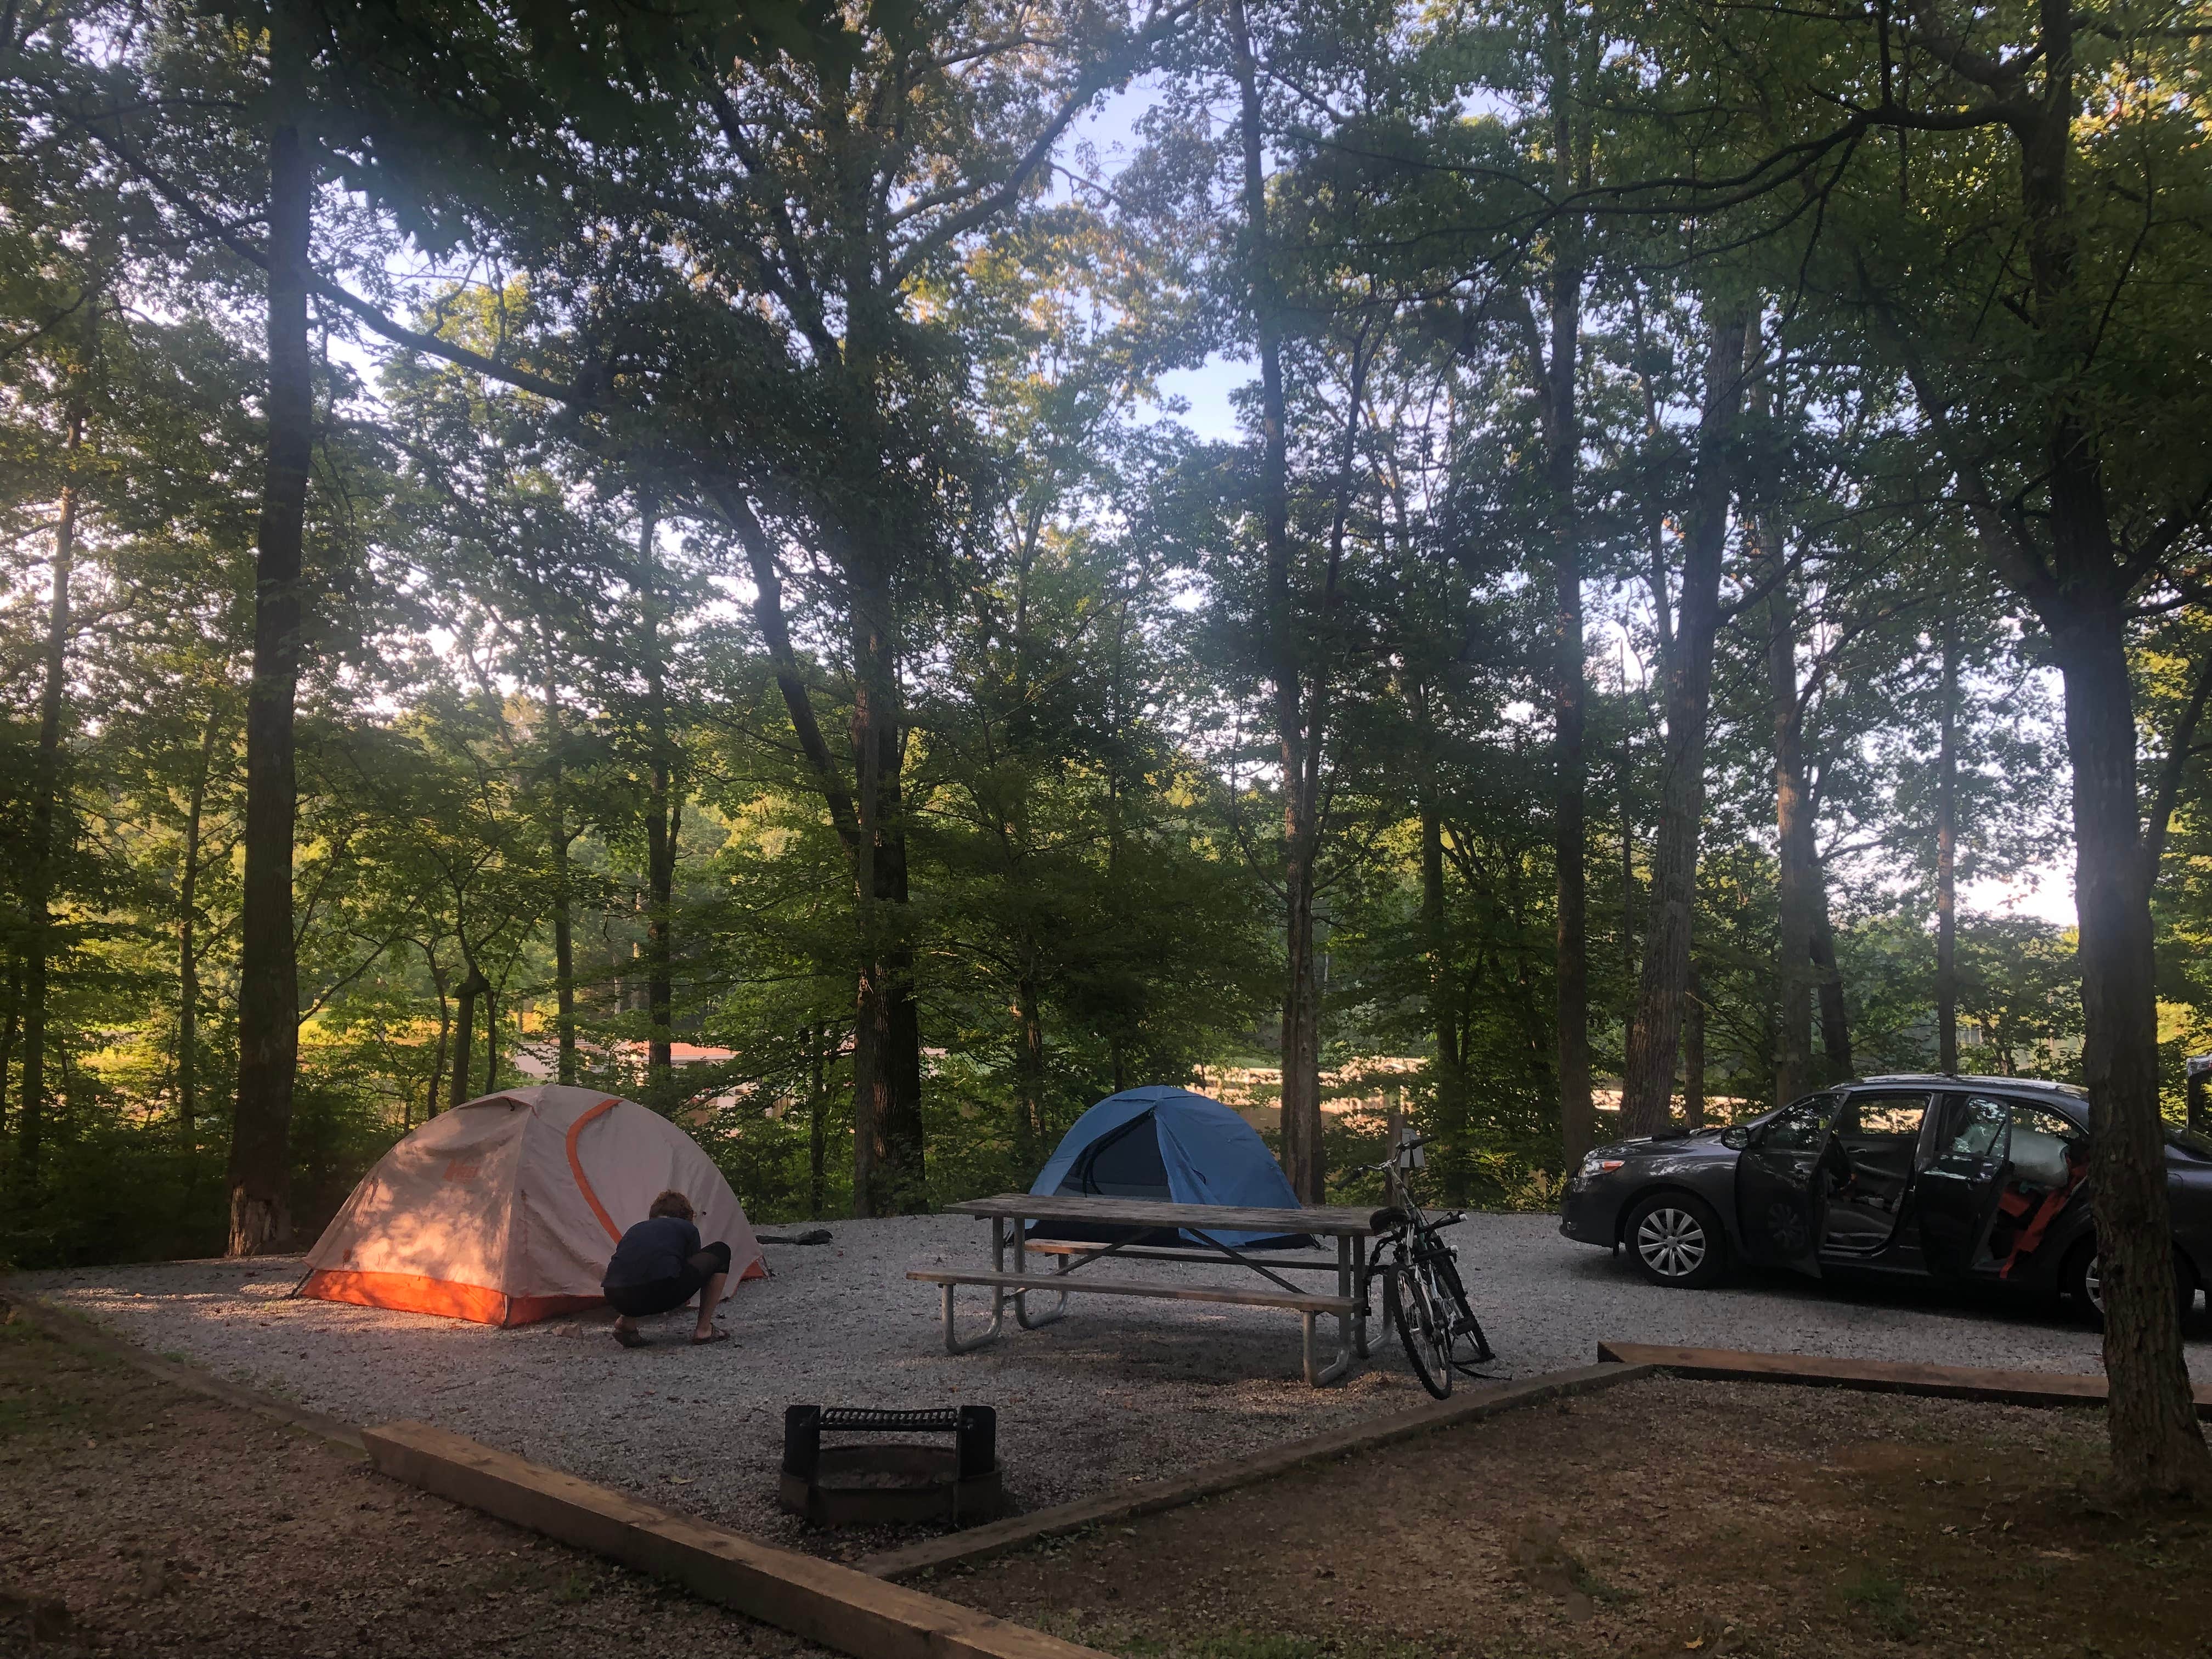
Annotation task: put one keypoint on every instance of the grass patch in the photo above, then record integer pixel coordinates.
(1883, 1600)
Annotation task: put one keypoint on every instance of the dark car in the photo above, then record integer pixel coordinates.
(1953, 1178)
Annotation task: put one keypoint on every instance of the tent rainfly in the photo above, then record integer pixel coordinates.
(1165, 1143)
(505, 1210)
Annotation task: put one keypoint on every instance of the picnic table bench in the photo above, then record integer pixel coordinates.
(1126, 1223)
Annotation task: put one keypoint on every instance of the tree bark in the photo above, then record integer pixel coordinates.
(1647, 1094)
(1796, 863)
(9, 1029)
(268, 991)
(661, 825)
(1947, 859)
(1029, 1079)
(1693, 1050)
(818, 1112)
(2157, 1446)
(464, 1031)
(45, 807)
(1302, 1153)
(889, 1174)
(1448, 1087)
(1556, 370)
(445, 1034)
(188, 961)
(558, 837)
(1835, 1015)
(491, 1038)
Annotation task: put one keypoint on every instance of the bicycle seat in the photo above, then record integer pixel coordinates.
(1386, 1221)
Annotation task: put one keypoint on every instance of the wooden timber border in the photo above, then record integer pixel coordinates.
(78, 1332)
(1876, 1376)
(1017, 1532)
(818, 1600)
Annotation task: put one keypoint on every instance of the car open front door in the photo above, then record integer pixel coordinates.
(1960, 1188)
(1782, 1185)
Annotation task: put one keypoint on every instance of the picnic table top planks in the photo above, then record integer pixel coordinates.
(1334, 1221)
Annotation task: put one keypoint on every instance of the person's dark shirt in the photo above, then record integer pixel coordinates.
(651, 1251)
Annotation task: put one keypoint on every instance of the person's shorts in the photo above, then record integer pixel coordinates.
(667, 1295)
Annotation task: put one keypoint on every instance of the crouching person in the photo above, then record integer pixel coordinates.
(659, 1264)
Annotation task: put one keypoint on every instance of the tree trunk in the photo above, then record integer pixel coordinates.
(445, 1034)
(1693, 1050)
(1796, 875)
(491, 1038)
(1647, 1094)
(661, 936)
(890, 1175)
(818, 1112)
(1303, 1161)
(9, 1029)
(2157, 1446)
(1835, 1017)
(1448, 1087)
(1029, 1079)
(1630, 893)
(557, 836)
(46, 803)
(1947, 860)
(464, 1031)
(188, 962)
(1570, 661)
(660, 830)
(268, 989)
(889, 1167)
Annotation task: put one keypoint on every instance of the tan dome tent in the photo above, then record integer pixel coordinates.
(505, 1210)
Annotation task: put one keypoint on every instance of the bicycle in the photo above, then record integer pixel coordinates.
(1422, 1293)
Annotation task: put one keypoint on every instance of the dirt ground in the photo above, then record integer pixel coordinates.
(1661, 1517)
(164, 1523)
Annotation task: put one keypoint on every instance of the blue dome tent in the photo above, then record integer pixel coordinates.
(1167, 1144)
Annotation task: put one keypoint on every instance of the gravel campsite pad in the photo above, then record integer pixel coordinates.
(1663, 1518)
(1115, 1393)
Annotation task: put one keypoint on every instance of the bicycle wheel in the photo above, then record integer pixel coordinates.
(1470, 1346)
(1410, 1304)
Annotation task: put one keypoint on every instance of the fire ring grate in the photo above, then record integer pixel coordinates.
(891, 1483)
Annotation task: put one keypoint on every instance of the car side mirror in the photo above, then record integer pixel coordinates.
(1735, 1138)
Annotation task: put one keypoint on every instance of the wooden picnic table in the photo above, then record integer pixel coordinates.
(1127, 1221)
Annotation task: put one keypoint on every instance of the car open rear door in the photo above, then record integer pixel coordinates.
(1782, 1185)
(1959, 1188)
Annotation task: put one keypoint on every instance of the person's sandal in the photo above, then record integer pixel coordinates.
(629, 1339)
(717, 1335)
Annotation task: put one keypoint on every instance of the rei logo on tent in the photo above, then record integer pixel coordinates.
(459, 1172)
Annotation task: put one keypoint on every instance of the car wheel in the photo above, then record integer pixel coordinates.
(2082, 1281)
(1676, 1241)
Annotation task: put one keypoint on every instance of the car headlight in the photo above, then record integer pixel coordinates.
(1595, 1163)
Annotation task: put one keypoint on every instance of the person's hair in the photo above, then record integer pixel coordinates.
(673, 1202)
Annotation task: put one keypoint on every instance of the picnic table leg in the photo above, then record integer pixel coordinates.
(953, 1342)
(1064, 1265)
(1316, 1373)
(1352, 1281)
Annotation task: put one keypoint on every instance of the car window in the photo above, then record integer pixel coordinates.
(2189, 1141)
(1895, 1116)
(2043, 1121)
(1976, 1127)
(1802, 1127)
(2040, 1138)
